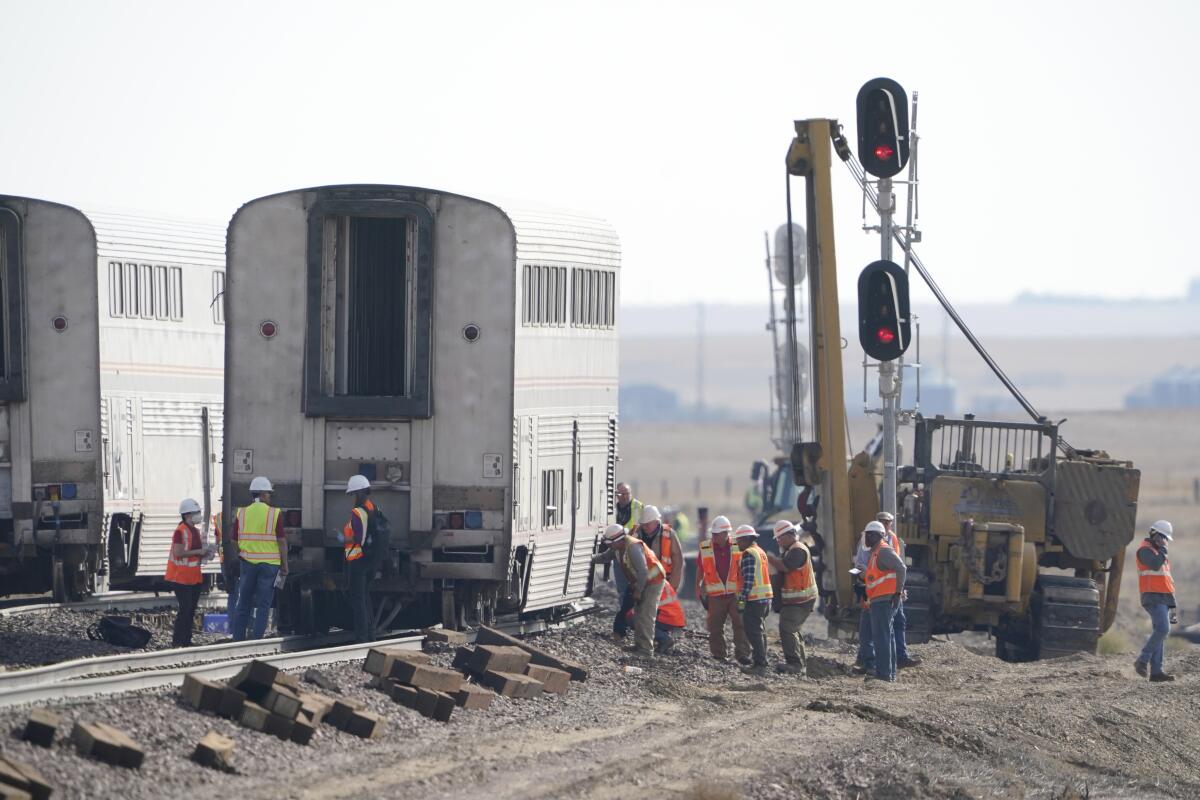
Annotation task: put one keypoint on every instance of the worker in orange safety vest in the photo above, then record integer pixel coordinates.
(1157, 589)
(718, 578)
(798, 592)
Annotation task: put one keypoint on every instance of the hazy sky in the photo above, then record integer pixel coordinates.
(1051, 132)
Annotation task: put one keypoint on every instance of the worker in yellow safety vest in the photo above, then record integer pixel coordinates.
(798, 592)
(1157, 589)
(754, 596)
(628, 512)
(262, 559)
(717, 581)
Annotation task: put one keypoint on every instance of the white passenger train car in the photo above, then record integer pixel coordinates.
(50, 496)
(161, 370)
(461, 356)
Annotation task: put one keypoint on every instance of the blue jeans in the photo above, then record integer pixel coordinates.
(866, 639)
(882, 614)
(256, 590)
(1160, 619)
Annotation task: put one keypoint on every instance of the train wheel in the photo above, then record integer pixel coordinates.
(450, 610)
(306, 616)
(1066, 616)
(59, 580)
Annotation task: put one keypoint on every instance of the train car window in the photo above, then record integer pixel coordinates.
(12, 308)
(576, 295)
(146, 287)
(610, 318)
(562, 295)
(526, 293)
(175, 293)
(160, 292)
(368, 336)
(551, 296)
(552, 498)
(116, 290)
(131, 290)
(375, 304)
(218, 301)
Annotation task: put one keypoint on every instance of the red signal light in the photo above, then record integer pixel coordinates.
(885, 335)
(885, 153)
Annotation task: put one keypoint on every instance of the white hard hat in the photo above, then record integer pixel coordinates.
(745, 530)
(875, 526)
(260, 484)
(189, 506)
(885, 516)
(783, 528)
(357, 483)
(649, 514)
(1164, 529)
(720, 524)
(613, 532)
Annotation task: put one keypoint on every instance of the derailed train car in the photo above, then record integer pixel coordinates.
(461, 356)
(50, 453)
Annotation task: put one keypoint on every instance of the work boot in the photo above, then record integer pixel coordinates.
(862, 669)
(745, 661)
(665, 647)
(758, 670)
(791, 668)
(1141, 668)
(1161, 677)
(911, 661)
(637, 651)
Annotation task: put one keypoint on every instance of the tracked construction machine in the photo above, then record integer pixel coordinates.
(1008, 528)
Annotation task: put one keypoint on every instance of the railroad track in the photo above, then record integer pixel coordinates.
(107, 675)
(109, 601)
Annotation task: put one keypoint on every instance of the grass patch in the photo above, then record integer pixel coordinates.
(713, 791)
(1114, 643)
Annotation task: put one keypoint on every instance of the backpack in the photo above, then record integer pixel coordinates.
(119, 631)
(379, 537)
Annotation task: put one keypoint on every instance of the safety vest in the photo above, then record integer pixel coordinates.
(654, 567)
(896, 544)
(880, 582)
(713, 586)
(1157, 581)
(800, 585)
(186, 569)
(664, 545)
(761, 590)
(256, 533)
(670, 611)
(354, 550)
(635, 512)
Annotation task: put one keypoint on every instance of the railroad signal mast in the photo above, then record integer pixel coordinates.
(883, 306)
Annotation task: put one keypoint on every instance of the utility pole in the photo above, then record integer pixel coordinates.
(889, 373)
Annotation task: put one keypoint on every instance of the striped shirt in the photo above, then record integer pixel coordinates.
(749, 570)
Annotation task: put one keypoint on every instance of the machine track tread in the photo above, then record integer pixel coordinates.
(918, 608)
(1066, 616)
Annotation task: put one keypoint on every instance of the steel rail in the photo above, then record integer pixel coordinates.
(135, 671)
(158, 678)
(114, 601)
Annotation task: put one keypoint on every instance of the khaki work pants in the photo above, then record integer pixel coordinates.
(791, 620)
(644, 615)
(721, 609)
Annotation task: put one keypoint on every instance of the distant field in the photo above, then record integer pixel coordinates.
(1054, 373)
